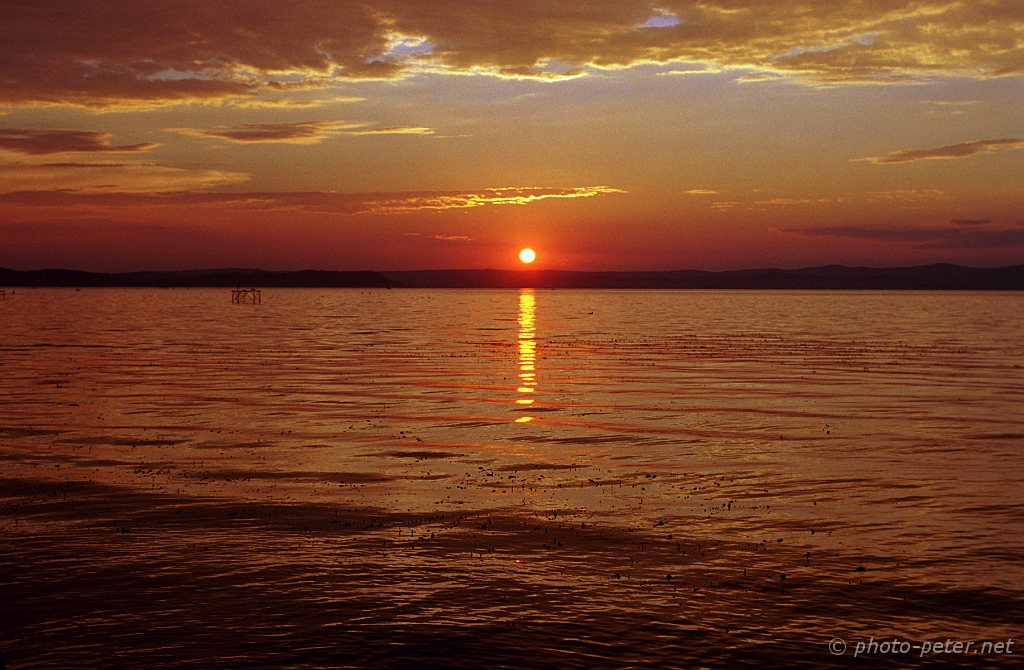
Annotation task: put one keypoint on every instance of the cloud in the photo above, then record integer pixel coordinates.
(785, 201)
(950, 103)
(908, 194)
(117, 178)
(691, 68)
(393, 130)
(408, 202)
(922, 238)
(702, 191)
(108, 52)
(292, 102)
(303, 132)
(323, 202)
(951, 151)
(969, 222)
(443, 238)
(949, 107)
(124, 176)
(42, 141)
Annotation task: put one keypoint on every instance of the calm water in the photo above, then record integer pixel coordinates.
(345, 478)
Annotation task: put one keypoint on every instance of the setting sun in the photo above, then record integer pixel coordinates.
(527, 255)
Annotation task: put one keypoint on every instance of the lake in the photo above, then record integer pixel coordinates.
(522, 478)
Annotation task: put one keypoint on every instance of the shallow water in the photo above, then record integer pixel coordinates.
(507, 478)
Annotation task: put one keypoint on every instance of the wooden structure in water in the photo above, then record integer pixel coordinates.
(242, 296)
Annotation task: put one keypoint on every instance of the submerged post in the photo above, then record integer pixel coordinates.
(241, 296)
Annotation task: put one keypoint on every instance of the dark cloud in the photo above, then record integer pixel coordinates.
(969, 222)
(41, 141)
(104, 52)
(923, 238)
(951, 151)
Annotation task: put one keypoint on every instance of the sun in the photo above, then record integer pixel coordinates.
(527, 255)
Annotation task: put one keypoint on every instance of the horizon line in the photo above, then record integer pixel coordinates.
(528, 270)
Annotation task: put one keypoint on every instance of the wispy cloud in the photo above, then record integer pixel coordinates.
(785, 201)
(690, 68)
(950, 103)
(948, 107)
(303, 132)
(442, 238)
(923, 238)
(43, 141)
(951, 151)
(116, 178)
(908, 194)
(291, 102)
(410, 202)
(701, 191)
(393, 130)
(324, 202)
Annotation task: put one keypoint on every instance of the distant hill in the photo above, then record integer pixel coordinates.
(829, 277)
(199, 278)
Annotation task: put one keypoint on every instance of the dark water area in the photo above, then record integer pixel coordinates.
(534, 478)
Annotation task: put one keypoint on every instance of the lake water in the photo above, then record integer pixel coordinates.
(405, 478)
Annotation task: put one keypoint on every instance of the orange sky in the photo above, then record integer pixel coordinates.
(409, 134)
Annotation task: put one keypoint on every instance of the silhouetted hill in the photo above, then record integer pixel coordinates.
(829, 277)
(199, 278)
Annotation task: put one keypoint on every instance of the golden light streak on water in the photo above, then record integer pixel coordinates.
(527, 348)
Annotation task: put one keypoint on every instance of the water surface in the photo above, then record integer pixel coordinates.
(464, 478)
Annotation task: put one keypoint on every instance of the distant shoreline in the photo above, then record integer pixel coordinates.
(941, 277)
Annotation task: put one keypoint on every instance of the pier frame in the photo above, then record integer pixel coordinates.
(242, 296)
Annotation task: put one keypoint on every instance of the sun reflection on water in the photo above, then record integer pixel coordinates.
(527, 350)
